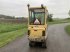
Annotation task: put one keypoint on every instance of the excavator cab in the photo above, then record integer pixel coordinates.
(37, 25)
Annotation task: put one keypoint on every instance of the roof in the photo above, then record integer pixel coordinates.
(38, 8)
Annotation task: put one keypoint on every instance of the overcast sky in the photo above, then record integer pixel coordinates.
(59, 8)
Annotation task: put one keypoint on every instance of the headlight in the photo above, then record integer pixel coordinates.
(43, 33)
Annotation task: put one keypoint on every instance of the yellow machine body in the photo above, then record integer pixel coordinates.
(38, 33)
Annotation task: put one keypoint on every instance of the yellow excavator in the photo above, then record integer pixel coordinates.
(37, 25)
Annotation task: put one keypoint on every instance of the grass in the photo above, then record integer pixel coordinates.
(7, 27)
(9, 32)
(67, 29)
(59, 21)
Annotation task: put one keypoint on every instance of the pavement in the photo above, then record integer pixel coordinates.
(58, 41)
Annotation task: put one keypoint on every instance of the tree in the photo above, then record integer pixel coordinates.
(69, 12)
(50, 17)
